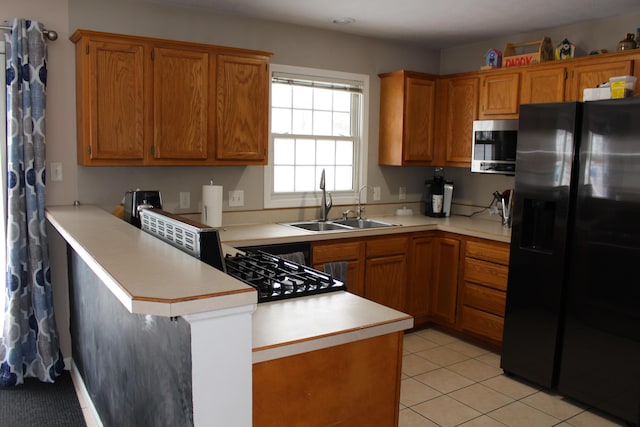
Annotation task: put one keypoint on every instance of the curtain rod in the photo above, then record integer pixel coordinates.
(51, 35)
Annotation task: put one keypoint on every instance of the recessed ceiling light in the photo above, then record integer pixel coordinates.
(343, 21)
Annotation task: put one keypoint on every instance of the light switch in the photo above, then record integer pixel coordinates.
(55, 170)
(185, 200)
(236, 198)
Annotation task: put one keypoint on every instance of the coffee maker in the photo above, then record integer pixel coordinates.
(437, 195)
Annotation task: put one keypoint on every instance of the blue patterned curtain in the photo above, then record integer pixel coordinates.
(30, 345)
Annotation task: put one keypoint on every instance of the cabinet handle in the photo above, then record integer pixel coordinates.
(89, 150)
(86, 49)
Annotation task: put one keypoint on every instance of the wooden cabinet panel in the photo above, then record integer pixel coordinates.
(386, 247)
(180, 103)
(385, 280)
(354, 384)
(242, 108)
(543, 85)
(458, 108)
(487, 273)
(421, 255)
(110, 96)
(419, 120)
(482, 323)
(445, 285)
(590, 75)
(485, 299)
(499, 95)
(492, 252)
(407, 118)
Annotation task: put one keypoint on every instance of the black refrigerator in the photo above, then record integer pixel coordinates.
(572, 319)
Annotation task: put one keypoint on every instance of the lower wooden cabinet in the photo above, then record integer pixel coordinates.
(351, 252)
(386, 271)
(484, 289)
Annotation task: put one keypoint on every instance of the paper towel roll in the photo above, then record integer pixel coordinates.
(212, 205)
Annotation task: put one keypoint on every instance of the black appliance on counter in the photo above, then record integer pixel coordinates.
(437, 195)
(274, 278)
(134, 200)
(572, 319)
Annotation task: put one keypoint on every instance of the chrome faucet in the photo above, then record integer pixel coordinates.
(360, 208)
(324, 206)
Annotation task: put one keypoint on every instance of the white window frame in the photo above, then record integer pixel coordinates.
(287, 200)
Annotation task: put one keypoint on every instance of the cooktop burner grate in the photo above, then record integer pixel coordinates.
(276, 278)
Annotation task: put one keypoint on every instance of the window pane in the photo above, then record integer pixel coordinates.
(283, 179)
(326, 153)
(283, 152)
(342, 101)
(280, 120)
(302, 97)
(305, 178)
(344, 178)
(305, 151)
(322, 123)
(302, 120)
(322, 99)
(281, 95)
(341, 124)
(344, 153)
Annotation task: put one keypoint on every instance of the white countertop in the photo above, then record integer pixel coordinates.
(263, 234)
(146, 274)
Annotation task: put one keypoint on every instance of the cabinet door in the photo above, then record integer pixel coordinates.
(421, 255)
(499, 95)
(242, 109)
(590, 75)
(445, 286)
(110, 101)
(385, 271)
(419, 120)
(180, 103)
(458, 102)
(546, 85)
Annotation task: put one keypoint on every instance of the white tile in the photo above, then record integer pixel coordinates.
(444, 380)
(414, 365)
(482, 421)
(553, 404)
(512, 388)
(475, 370)
(414, 343)
(481, 398)
(445, 411)
(491, 359)
(413, 392)
(409, 418)
(518, 414)
(442, 356)
(592, 419)
(437, 336)
(467, 349)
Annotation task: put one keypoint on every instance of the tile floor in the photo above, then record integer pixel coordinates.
(449, 382)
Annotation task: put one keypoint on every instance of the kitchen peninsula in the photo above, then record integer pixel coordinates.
(161, 338)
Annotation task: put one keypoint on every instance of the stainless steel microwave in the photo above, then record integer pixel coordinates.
(494, 146)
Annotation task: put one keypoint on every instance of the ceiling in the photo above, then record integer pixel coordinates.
(430, 23)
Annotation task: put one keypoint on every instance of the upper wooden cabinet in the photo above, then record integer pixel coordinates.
(586, 75)
(499, 95)
(407, 118)
(143, 101)
(457, 103)
(543, 85)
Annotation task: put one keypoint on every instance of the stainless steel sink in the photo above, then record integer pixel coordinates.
(363, 223)
(318, 225)
(347, 224)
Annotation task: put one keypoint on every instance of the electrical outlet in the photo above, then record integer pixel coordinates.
(376, 193)
(402, 194)
(185, 200)
(56, 171)
(236, 198)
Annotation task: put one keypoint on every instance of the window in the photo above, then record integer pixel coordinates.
(318, 122)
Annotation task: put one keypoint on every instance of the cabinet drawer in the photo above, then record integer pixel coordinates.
(482, 323)
(386, 247)
(337, 252)
(486, 252)
(484, 298)
(486, 273)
